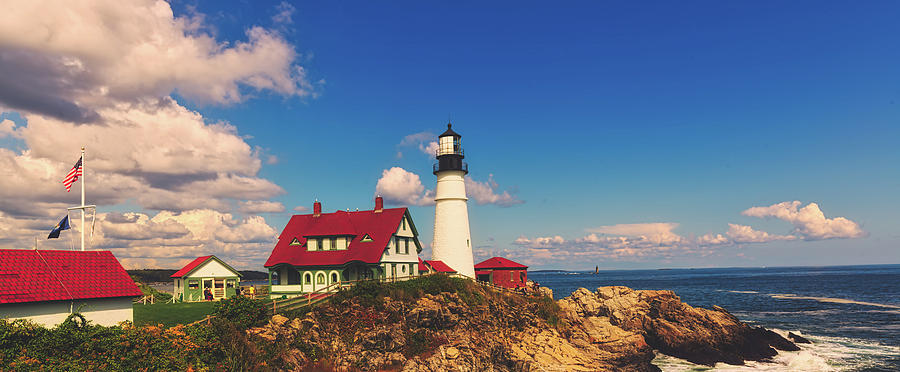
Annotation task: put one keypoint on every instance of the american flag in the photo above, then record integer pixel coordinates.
(72, 176)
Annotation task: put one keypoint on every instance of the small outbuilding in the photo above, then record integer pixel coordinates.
(434, 266)
(206, 278)
(45, 286)
(502, 272)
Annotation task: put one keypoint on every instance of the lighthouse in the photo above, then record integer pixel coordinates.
(452, 243)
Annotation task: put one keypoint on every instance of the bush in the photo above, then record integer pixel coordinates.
(242, 311)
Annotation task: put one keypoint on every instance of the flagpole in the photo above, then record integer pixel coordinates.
(83, 173)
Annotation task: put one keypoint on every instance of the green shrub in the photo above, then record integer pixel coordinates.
(242, 311)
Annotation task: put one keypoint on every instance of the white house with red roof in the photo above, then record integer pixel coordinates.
(45, 286)
(207, 274)
(316, 251)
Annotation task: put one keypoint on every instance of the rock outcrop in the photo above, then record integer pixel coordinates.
(612, 329)
(701, 336)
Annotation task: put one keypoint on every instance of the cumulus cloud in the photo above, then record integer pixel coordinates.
(399, 186)
(485, 193)
(652, 233)
(7, 128)
(809, 221)
(260, 206)
(79, 56)
(712, 239)
(102, 72)
(285, 13)
(640, 241)
(746, 234)
(426, 142)
(300, 208)
(169, 239)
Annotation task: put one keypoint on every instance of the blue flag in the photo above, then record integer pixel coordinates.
(62, 225)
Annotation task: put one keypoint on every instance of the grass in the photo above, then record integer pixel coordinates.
(171, 314)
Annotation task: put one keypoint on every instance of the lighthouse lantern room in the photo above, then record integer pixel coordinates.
(452, 242)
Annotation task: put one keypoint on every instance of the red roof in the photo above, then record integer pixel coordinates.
(440, 266)
(190, 267)
(422, 266)
(499, 263)
(379, 226)
(28, 275)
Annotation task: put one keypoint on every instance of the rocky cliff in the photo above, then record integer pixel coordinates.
(466, 327)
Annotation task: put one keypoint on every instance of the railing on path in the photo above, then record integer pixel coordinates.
(322, 294)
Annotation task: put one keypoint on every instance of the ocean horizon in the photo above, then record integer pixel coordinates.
(850, 313)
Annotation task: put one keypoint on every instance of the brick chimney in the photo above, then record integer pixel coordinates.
(317, 208)
(379, 204)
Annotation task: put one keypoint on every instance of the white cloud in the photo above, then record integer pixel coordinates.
(300, 208)
(424, 141)
(77, 57)
(746, 234)
(7, 128)
(169, 239)
(653, 233)
(484, 193)
(429, 149)
(640, 241)
(285, 13)
(399, 186)
(712, 239)
(101, 73)
(809, 221)
(540, 242)
(260, 206)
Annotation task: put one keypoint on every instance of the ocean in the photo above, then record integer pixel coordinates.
(850, 313)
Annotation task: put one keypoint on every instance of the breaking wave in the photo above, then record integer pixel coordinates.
(824, 354)
(790, 296)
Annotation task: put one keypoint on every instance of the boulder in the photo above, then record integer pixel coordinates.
(797, 338)
(675, 328)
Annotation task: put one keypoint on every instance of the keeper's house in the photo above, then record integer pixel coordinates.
(207, 272)
(45, 286)
(502, 272)
(317, 251)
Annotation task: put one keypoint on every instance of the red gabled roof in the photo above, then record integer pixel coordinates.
(422, 266)
(190, 266)
(499, 263)
(440, 266)
(48, 275)
(379, 225)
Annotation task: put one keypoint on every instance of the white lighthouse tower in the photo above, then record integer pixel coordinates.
(452, 243)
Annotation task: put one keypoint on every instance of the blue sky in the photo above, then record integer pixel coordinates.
(588, 115)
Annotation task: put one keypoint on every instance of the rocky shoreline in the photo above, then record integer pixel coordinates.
(610, 329)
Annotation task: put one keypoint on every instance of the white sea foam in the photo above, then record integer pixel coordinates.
(747, 292)
(791, 296)
(824, 354)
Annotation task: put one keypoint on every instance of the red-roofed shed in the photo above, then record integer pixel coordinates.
(434, 266)
(503, 272)
(45, 286)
